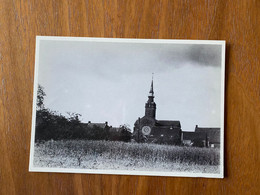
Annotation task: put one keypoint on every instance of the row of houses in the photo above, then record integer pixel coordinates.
(166, 133)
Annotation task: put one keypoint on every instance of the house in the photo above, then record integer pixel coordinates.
(202, 137)
(211, 135)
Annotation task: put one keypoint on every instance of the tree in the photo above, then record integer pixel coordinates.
(125, 133)
(40, 98)
(53, 125)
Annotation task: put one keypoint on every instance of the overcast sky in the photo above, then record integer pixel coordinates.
(110, 81)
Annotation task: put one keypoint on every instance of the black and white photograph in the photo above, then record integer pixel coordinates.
(128, 107)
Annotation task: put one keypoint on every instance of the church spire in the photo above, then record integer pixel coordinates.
(151, 89)
(150, 106)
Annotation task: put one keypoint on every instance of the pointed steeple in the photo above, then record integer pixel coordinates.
(151, 93)
(150, 106)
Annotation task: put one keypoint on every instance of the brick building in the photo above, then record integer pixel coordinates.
(149, 129)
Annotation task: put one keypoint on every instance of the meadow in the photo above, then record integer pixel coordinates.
(87, 154)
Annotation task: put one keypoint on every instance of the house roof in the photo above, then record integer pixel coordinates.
(91, 125)
(114, 129)
(168, 123)
(206, 129)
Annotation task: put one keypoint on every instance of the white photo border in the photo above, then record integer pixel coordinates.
(127, 172)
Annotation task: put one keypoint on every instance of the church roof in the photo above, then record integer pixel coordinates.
(168, 123)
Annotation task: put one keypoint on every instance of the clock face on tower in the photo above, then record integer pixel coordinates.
(146, 130)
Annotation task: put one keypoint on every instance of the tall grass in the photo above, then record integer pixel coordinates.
(119, 151)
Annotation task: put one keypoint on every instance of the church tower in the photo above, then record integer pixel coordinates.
(150, 106)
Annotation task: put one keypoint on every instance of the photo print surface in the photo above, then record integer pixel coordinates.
(128, 106)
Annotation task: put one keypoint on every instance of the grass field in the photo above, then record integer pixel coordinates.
(86, 154)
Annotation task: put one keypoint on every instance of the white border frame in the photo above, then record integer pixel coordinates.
(122, 172)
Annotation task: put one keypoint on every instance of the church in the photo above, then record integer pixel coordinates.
(149, 129)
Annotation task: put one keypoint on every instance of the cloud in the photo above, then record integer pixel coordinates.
(205, 55)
